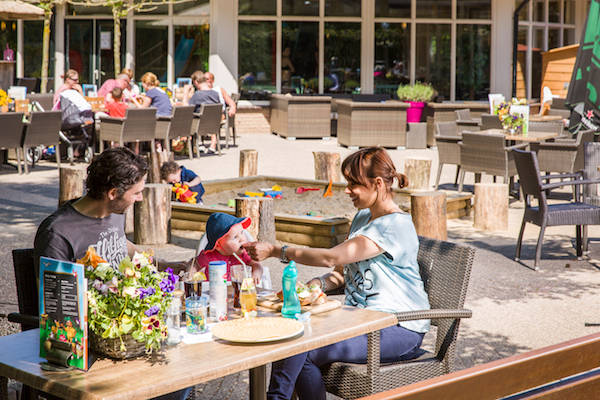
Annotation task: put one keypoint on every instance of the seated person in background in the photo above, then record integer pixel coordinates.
(154, 96)
(223, 95)
(203, 95)
(172, 173)
(225, 234)
(116, 108)
(71, 78)
(134, 89)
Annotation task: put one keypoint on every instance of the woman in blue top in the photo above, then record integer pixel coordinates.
(376, 264)
(155, 97)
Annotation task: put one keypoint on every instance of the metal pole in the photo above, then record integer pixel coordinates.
(515, 45)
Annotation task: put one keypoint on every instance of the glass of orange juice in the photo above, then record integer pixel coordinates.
(248, 298)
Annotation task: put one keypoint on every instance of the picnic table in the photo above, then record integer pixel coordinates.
(180, 366)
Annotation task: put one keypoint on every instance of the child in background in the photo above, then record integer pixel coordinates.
(226, 236)
(116, 108)
(172, 173)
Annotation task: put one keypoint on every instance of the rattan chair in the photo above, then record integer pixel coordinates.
(547, 126)
(447, 137)
(486, 153)
(139, 125)
(174, 126)
(573, 213)
(464, 119)
(445, 269)
(230, 122)
(489, 121)
(42, 130)
(563, 156)
(12, 128)
(591, 192)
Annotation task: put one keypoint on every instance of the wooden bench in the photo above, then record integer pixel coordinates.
(568, 370)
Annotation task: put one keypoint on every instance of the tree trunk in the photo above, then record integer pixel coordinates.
(117, 40)
(71, 181)
(418, 171)
(327, 166)
(260, 211)
(248, 163)
(155, 161)
(152, 215)
(428, 211)
(491, 207)
(45, 50)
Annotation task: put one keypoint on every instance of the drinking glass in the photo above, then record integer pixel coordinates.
(248, 298)
(195, 314)
(174, 321)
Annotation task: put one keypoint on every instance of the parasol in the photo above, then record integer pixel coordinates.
(12, 9)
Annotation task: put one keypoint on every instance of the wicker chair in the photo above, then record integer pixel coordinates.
(489, 121)
(230, 121)
(43, 130)
(564, 156)
(12, 126)
(573, 213)
(549, 126)
(177, 125)
(139, 125)
(445, 269)
(464, 119)
(447, 137)
(486, 153)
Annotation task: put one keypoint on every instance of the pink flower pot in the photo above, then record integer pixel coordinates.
(414, 112)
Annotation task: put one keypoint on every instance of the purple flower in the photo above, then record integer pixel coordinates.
(100, 286)
(145, 292)
(152, 311)
(167, 285)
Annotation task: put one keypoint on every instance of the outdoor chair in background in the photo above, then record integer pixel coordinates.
(547, 126)
(464, 119)
(562, 156)
(44, 101)
(230, 122)
(572, 213)
(174, 126)
(12, 128)
(486, 153)
(490, 121)
(445, 269)
(42, 130)
(591, 192)
(139, 125)
(208, 122)
(447, 137)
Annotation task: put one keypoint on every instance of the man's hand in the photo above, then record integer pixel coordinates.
(259, 250)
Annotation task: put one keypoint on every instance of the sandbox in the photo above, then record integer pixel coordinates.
(329, 219)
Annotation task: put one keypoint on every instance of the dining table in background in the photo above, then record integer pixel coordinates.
(180, 366)
(531, 136)
(545, 118)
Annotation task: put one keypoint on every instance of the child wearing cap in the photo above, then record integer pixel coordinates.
(225, 234)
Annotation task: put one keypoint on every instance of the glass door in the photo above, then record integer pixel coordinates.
(105, 56)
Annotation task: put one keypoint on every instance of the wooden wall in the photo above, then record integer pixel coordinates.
(557, 67)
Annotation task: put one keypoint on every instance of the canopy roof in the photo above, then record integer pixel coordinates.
(12, 9)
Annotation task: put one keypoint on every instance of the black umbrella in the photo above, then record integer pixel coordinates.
(584, 90)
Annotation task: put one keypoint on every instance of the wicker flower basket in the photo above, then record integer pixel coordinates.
(112, 347)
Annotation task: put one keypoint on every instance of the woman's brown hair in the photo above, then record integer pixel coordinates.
(71, 74)
(363, 166)
(150, 79)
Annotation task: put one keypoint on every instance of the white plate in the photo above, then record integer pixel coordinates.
(257, 330)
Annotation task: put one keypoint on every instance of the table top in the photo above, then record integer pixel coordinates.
(545, 118)
(532, 136)
(180, 366)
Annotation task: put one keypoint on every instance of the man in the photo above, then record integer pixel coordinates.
(115, 181)
(224, 96)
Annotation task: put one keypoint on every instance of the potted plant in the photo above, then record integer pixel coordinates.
(417, 96)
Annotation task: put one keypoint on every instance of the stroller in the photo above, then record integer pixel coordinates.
(77, 129)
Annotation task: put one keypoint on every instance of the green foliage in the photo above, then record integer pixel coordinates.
(417, 92)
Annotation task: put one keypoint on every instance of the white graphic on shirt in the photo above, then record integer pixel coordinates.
(111, 246)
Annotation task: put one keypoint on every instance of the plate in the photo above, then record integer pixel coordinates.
(257, 330)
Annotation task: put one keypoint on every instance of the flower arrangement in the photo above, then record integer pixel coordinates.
(130, 301)
(4, 99)
(419, 92)
(511, 120)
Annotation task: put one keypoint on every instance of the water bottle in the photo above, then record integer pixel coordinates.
(291, 304)
(217, 271)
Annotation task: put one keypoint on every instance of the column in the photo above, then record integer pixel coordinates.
(223, 58)
(367, 46)
(59, 45)
(20, 50)
(501, 49)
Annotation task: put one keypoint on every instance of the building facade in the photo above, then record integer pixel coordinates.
(464, 48)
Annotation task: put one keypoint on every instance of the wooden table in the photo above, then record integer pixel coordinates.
(545, 118)
(180, 366)
(532, 136)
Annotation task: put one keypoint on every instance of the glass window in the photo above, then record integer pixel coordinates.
(300, 57)
(32, 53)
(88, 10)
(295, 7)
(392, 8)
(434, 8)
(257, 7)
(392, 56)
(433, 57)
(554, 11)
(343, 8)
(472, 62)
(524, 13)
(342, 57)
(191, 48)
(536, 61)
(151, 48)
(256, 56)
(569, 11)
(192, 8)
(522, 62)
(568, 36)
(478, 9)
(79, 37)
(538, 10)
(538, 39)
(8, 35)
(553, 38)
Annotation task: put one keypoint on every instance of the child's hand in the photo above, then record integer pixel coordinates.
(257, 272)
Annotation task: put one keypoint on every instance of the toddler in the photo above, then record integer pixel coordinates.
(171, 172)
(225, 234)
(116, 108)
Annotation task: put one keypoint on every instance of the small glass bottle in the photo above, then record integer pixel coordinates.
(174, 321)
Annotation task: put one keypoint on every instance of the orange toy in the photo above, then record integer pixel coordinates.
(328, 191)
(184, 194)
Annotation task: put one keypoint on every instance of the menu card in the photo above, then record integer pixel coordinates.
(63, 313)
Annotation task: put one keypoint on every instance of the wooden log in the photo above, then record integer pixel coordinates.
(418, 171)
(155, 161)
(491, 207)
(327, 166)
(129, 223)
(248, 163)
(187, 225)
(152, 215)
(71, 182)
(260, 211)
(428, 210)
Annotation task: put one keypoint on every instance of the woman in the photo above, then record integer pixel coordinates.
(71, 78)
(377, 264)
(154, 96)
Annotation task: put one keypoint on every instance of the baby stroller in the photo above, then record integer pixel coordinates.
(77, 129)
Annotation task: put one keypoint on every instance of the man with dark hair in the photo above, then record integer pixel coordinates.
(115, 181)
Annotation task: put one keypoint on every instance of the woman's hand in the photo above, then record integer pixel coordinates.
(259, 250)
